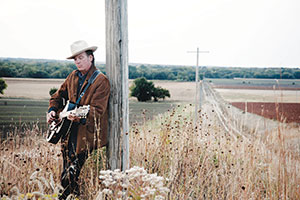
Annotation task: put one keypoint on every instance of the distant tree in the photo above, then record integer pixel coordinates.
(144, 90)
(297, 74)
(133, 73)
(3, 86)
(7, 71)
(160, 93)
(39, 74)
(160, 75)
(171, 76)
(52, 91)
(287, 75)
(62, 72)
(35, 68)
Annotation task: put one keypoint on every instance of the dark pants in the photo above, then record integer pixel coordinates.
(72, 164)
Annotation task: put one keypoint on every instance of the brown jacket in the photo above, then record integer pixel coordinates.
(97, 97)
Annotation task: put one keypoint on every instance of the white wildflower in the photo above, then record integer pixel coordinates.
(159, 197)
(107, 191)
(102, 177)
(118, 176)
(164, 190)
(104, 172)
(99, 196)
(117, 170)
(120, 193)
(134, 179)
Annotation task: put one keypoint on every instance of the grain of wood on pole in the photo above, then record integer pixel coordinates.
(117, 72)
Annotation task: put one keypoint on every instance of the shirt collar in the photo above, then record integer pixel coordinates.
(79, 74)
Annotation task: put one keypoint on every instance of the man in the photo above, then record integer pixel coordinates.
(84, 135)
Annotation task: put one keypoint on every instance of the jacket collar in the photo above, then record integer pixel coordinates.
(89, 74)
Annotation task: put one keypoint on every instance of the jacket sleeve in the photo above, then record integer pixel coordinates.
(56, 100)
(99, 101)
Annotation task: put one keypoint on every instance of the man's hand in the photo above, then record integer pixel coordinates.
(73, 118)
(51, 116)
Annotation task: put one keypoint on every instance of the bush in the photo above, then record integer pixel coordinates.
(52, 91)
(144, 90)
(3, 86)
(160, 93)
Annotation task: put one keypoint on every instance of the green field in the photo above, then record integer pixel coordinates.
(22, 113)
(17, 113)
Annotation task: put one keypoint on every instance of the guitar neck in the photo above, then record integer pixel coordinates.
(80, 112)
(64, 114)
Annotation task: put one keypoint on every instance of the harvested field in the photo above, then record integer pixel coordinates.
(248, 95)
(284, 112)
(35, 88)
(31, 88)
(256, 87)
(262, 84)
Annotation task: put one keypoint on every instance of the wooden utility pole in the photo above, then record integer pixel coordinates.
(117, 72)
(197, 83)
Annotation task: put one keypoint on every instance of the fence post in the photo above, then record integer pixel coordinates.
(117, 72)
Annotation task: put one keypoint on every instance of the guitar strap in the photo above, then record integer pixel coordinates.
(90, 81)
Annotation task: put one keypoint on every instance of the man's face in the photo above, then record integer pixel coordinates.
(83, 62)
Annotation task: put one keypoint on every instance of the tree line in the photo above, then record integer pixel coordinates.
(36, 68)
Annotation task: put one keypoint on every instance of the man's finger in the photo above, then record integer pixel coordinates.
(51, 116)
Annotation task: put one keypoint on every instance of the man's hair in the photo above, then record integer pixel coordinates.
(90, 52)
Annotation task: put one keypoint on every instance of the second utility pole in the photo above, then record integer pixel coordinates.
(197, 83)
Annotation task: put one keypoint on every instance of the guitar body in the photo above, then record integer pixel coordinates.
(60, 127)
(58, 131)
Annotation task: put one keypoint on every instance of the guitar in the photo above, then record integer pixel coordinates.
(61, 126)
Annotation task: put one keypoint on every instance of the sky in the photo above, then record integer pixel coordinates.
(240, 33)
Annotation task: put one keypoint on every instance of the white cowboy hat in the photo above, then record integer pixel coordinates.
(80, 46)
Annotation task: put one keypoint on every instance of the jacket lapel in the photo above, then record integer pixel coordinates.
(90, 73)
(73, 89)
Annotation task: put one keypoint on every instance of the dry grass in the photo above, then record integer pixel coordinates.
(206, 162)
(199, 162)
(28, 164)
